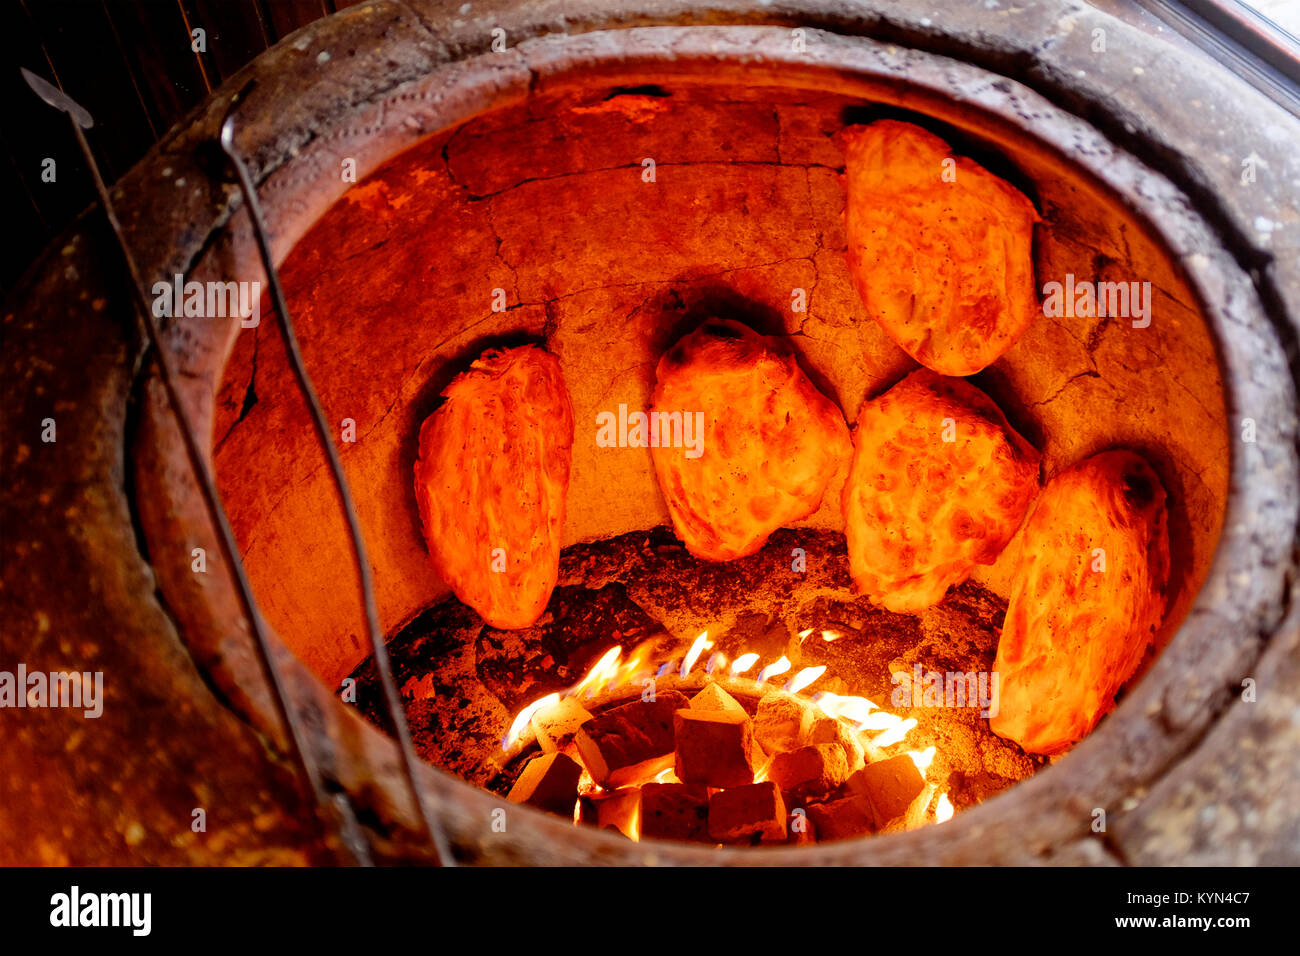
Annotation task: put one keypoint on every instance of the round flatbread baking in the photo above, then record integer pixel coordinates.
(939, 484)
(769, 441)
(939, 249)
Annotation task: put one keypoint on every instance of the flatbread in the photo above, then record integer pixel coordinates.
(939, 484)
(491, 482)
(945, 267)
(772, 441)
(1075, 634)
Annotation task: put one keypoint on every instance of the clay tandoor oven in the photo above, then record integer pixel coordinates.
(600, 191)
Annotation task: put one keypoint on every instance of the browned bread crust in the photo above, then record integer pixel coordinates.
(493, 473)
(939, 483)
(945, 267)
(1074, 634)
(772, 441)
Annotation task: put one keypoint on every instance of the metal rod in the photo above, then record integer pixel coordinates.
(349, 829)
(392, 701)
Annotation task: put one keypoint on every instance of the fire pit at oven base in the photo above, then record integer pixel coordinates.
(636, 616)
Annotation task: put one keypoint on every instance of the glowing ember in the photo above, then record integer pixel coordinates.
(616, 669)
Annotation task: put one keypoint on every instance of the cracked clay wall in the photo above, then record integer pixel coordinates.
(393, 293)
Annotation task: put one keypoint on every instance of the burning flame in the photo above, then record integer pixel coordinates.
(804, 678)
(614, 669)
(943, 809)
(894, 734)
(667, 775)
(922, 759)
(702, 644)
(779, 666)
(525, 716)
(854, 709)
(601, 673)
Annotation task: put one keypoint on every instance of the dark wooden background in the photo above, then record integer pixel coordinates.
(130, 63)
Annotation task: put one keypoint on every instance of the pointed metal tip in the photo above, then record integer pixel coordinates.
(228, 122)
(228, 135)
(55, 97)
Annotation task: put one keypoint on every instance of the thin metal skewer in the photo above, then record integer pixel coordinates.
(392, 701)
(349, 829)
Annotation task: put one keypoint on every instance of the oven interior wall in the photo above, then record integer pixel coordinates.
(546, 207)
